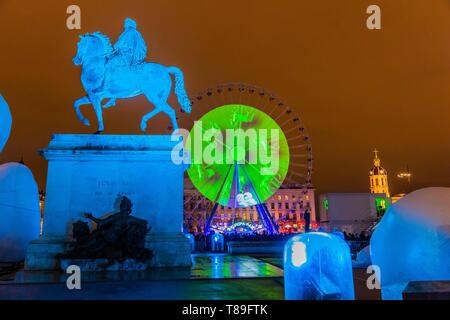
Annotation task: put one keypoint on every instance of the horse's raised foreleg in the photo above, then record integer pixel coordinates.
(147, 117)
(77, 104)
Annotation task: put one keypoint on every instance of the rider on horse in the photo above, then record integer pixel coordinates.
(122, 73)
(130, 51)
(131, 48)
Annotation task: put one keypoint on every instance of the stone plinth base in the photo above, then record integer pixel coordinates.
(89, 265)
(89, 173)
(169, 249)
(41, 253)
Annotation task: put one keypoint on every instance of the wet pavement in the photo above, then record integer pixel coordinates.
(265, 288)
(212, 276)
(204, 266)
(223, 266)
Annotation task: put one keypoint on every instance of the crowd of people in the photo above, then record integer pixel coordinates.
(363, 236)
(239, 236)
(247, 236)
(356, 241)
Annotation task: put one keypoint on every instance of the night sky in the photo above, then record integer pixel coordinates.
(355, 89)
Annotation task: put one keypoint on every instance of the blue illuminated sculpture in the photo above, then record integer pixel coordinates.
(19, 200)
(121, 72)
(6, 122)
(217, 242)
(87, 171)
(191, 238)
(412, 241)
(318, 266)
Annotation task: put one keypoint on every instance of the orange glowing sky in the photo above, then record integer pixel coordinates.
(355, 89)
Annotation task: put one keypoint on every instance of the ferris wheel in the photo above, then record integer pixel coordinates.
(243, 184)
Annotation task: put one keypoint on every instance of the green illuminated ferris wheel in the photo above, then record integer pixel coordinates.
(246, 144)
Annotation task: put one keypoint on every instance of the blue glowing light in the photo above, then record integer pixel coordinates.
(19, 200)
(191, 238)
(412, 241)
(217, 242)
(318, 266)
(6, 122)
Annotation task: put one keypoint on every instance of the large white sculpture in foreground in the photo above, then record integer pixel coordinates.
(19, 200)
(318, 266)
(412, 241)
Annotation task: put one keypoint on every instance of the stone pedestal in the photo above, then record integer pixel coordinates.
(170, 249)
(86, 173)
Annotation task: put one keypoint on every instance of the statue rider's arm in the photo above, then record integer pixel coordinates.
(91, 217)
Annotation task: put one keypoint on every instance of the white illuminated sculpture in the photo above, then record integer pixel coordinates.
(318, 266)
(412, 241)
(19, 200)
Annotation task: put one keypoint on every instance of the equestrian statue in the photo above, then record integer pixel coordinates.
(120, 72)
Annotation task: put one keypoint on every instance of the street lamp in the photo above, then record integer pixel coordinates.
(407, 176)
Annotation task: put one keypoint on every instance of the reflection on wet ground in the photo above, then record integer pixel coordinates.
(204, 266)
(212, 276)
(222, 266)
(232, 289)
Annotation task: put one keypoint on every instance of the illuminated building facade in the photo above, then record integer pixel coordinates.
(287, 207)
(378, 177)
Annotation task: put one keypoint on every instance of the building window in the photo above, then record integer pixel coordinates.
(286, 205)
(272, 205)
(286, 198)
(279, 206)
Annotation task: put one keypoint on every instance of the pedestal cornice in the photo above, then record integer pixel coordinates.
(109, 147)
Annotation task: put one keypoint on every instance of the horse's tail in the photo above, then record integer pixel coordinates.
(180, 92)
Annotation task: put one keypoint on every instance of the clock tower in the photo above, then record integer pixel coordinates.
(378, 177)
